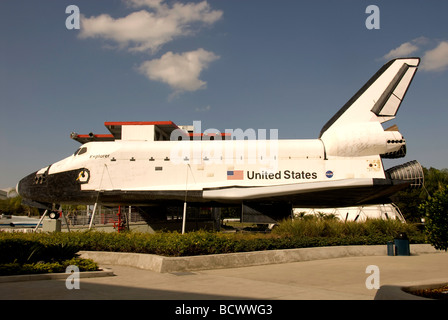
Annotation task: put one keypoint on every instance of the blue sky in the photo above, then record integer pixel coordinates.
(286, 65)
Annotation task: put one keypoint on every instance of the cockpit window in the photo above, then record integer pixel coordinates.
(80, 151)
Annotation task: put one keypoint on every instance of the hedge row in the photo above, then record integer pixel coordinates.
(21, 250)
(21, 254)
(193, 243)
(16, 268)
(326, 226)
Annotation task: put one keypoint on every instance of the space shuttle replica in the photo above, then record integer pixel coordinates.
(162, 164)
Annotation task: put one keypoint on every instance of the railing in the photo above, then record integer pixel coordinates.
(100, 218)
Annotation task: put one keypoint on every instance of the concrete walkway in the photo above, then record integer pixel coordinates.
(338, 278)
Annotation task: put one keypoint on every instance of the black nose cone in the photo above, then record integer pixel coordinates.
(62, 187)
(25, 186)
(35, 188)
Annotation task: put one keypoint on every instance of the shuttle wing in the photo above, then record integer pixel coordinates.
(323, 194)
(253, 193)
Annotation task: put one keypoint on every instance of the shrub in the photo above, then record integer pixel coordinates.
(435, 210)
(319, 227)
(39, 253)
(17, 249)
(22, 251)
(15, 268)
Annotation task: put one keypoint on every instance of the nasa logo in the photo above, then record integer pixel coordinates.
(329, 174)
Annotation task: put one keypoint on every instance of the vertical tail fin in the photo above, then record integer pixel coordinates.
(379, 99)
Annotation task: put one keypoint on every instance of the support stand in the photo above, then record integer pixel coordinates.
(93, 215)
(184, 218)
(65, 218)
(40, 221)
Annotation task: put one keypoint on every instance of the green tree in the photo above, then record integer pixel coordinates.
(14, 206)
(435, 210)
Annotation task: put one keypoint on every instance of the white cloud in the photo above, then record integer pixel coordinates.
(403, 50)
(152, 26)
(180, 71)
(421, 41)
(144, 30)
(436, 59)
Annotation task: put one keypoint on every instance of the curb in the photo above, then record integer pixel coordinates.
(242, 259)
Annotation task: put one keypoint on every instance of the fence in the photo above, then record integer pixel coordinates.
(103, 216)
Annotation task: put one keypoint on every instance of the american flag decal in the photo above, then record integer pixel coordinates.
(235, 175)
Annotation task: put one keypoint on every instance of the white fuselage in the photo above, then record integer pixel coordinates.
(199, 165)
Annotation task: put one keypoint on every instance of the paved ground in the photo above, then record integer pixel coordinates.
(335, 279)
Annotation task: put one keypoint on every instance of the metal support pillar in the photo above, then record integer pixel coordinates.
(93, 215)
(40, 221)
